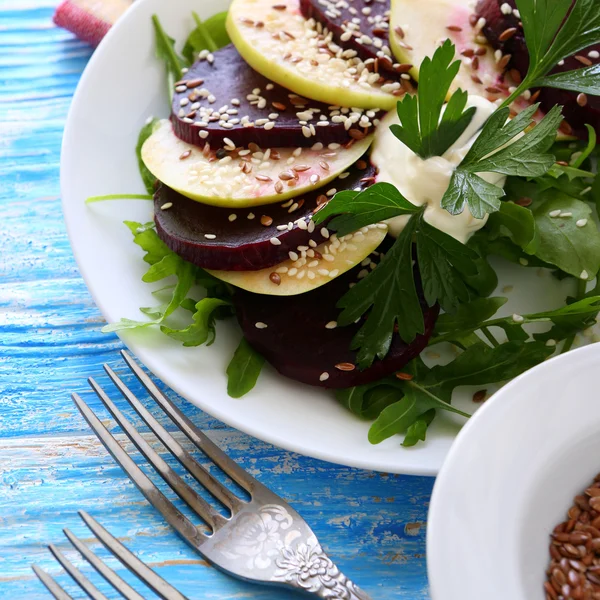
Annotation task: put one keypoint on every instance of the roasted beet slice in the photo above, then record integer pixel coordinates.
(504, 30)
(224, 101)
(242, 239)
(298, 336)
(360, 26)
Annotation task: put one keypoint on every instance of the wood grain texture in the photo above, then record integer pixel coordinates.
(50, 466)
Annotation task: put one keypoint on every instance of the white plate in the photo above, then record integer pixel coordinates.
(510, 477)
(124, 84)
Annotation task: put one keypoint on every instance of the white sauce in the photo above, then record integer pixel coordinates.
(424, 182)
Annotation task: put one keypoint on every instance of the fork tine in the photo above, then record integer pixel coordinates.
(82, 581)
(201, 475)
(134, 564)
(159, 501)
(200, 440)
(121, 586)
(177, 484)
(50, 584)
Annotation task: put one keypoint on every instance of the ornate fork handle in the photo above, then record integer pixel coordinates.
(309, 569)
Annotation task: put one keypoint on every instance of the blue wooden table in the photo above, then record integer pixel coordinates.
(50, 465)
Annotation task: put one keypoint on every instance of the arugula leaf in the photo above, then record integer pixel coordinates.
(210, 35)
(480, 364)
(418, 430)
(491, 152)
(243, 370)
(165, 263)
(571, 319)
(368, 401)
(471, 315)
(516, 222)
(147, 177)
(389, 294)
(421, 128)
(354, 210)
(202, 328)
(591, 146)
(396, 418)
(165, 50)
(572, 249)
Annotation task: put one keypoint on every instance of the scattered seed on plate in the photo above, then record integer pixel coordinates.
(260, 325)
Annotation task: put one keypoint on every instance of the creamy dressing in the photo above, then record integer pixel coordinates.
(424, 182)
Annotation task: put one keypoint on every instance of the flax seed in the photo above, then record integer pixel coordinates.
(507, 34)
(266, 220)
(275, 278)
(345, 366)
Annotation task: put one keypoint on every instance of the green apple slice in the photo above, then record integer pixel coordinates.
(417, 28)
(278, 42)
(252, 179)
(313, 267)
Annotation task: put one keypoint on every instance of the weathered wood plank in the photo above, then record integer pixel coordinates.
(50, 342)
(370, 522)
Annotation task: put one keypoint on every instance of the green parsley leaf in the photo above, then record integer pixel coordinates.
(243, 370)
(147, 177)
(354, 210)
(389, 295)
(586, 80)
(421, 128)
(551, 37)
(525, 157)
(443, 262)
(210, 35)
(202, 328)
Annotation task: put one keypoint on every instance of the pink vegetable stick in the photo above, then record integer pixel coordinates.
(90, 20)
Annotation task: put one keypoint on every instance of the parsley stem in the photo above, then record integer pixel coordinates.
(212, 46)
(488, 334)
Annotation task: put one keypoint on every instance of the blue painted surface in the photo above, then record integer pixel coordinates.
(50, 466)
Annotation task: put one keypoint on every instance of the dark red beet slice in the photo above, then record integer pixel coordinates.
(298, 344)
(243, 242)
(360, 26)
(498, 23)
(215, 99)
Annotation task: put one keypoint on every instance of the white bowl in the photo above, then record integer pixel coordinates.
(510, 477)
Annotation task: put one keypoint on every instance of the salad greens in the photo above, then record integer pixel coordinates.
(542, 217)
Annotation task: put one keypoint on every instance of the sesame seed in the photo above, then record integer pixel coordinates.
(166, 206)
(203, 134)
(334, 273)
(554, 213)
(260, 325)
(581, 223)
(210, 236)
(325, 232)
(518, 318)
(275, 241)
(523, 261)
(506, 9)
(324, 376)
(331, 325)
(594, 54)
(565, 215)
(250, 216)
(584, 275)
(232, 217)
(269, 86)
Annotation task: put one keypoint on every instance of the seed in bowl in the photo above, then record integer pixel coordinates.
(574, 570)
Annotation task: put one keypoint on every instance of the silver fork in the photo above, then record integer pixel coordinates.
(264, 540)
(134, 564)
